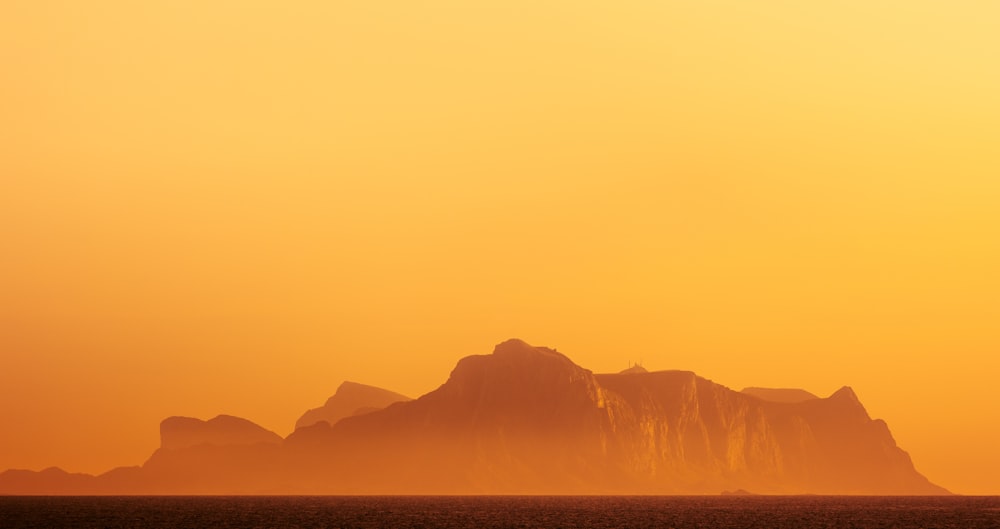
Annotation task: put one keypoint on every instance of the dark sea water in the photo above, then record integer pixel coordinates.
(742, 512)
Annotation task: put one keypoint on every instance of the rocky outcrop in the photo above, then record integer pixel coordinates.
(350, 399)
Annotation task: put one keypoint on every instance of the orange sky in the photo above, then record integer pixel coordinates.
(230, 207)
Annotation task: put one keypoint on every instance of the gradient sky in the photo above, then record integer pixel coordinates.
(232, 206)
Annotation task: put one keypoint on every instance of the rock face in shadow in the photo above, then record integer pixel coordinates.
(528, 420)
(788, 395)
(350, 399)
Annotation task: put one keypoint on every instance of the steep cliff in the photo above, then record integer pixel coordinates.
(527, 419)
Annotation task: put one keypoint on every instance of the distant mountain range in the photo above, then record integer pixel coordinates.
(527, 420)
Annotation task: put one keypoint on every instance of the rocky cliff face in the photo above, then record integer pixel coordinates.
(528, 420)
(678, 432)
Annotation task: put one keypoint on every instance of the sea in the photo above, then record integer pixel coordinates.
(743, 512)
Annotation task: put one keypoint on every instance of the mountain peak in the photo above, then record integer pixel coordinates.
(845, 393)
(349, 385)
(846, 399)
(184, 432)
(351, 398)
(519, 348)
(513, 345)
(635, 369)
(349, 388)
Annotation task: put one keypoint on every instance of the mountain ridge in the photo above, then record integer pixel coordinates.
(528, 420)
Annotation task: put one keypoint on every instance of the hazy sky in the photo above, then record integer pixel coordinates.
(232, 206)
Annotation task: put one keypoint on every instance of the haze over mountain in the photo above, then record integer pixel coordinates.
(351, 398)
(201, 201)
(528, 420)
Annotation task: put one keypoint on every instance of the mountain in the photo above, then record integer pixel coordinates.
(350, 399)
(787, 395)
(527, 420)
(501, 423)
(224, 430)
(223, 455)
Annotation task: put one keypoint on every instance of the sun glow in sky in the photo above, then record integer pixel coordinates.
(232, 206)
